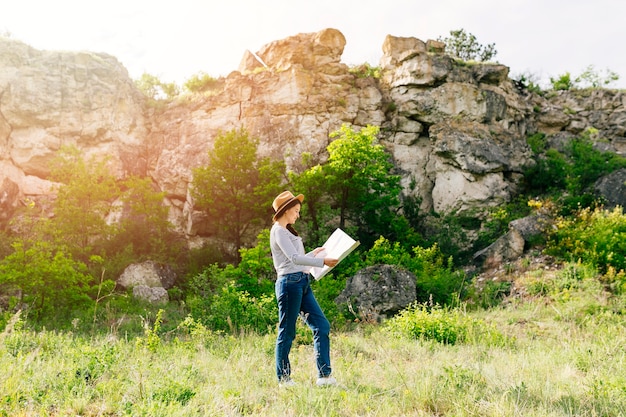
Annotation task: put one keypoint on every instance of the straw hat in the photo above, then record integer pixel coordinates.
(283, 200)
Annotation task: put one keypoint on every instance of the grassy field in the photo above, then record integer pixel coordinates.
(564, 355)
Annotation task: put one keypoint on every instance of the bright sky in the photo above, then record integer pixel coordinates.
(176, 39)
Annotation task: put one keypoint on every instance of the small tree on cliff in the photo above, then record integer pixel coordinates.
(465, 46)
(236, 188)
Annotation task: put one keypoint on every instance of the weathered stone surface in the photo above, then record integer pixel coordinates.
(613, 188)
(53, 99)
(9, 199)
(530, 227)
(153, 295)
(150, 274)
(309, 50)
(506, 248)
(378, 291)
(456, 132)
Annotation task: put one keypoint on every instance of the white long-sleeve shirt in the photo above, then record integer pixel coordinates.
(288, 252)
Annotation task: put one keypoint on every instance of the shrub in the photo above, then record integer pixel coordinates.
(563, 82)
(200, 83)
(49, 282)
(235, 311)
(594, 236)
(442, 325)
(365, 70)
(436, 279)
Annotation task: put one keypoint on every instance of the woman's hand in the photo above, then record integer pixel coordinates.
(330, 262)
(317, 250)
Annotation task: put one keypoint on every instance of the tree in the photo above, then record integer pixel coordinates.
(49, 281)
(465, 46)
(144, 223)
(236, 188)
(84, 199)
(156, 89)
(357, 179)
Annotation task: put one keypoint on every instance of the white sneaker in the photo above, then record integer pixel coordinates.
(326, 381)
(286, 383)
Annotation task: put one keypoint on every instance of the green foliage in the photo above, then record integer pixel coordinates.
(145, 226)
(436, 279)
(358, 181)
(549, 172)
(528, 82)
(316, 214)
(236, 189)
(200, 83)
(595, 236)
(450, 233)
(237, 298)
(443, 325)
(574, 170)
(537, 142)
(255, 273)
(496, 222)
(463, 45)
(49, 282)
(563, 82)
(492, 294)
(590, 77)
(83, 202)
(232, 310)
(155, 89)
(365, 71)
(152, 339)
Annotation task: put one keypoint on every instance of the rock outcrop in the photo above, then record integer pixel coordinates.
(456, 131)
(379, 291)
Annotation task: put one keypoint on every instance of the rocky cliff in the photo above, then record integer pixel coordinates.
(456, 131)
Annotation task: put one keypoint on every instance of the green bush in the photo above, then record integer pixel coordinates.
(47, 281)
(232, 310)
(437, 281)
(200, 83)
(563, 82)
(365, 71)
(442, 325)
(572, 171)
(594, 236)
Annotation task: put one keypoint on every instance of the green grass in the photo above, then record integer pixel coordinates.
(564, 356)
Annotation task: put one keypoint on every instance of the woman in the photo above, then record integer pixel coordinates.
(293, 290)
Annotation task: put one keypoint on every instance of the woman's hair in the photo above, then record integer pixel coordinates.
(284, 209)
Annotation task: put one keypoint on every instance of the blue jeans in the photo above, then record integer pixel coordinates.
(294, 296)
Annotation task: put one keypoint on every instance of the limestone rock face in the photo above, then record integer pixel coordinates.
(467, 122)
(53, 99)
(456, 131)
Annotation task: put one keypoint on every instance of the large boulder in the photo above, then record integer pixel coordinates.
(508, 247)
(149, 274)
(613, 188)
(379, 291)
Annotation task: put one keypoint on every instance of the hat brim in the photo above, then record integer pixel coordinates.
(283, 207)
